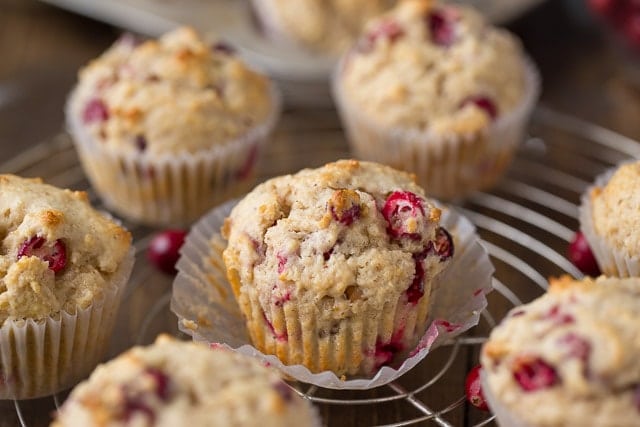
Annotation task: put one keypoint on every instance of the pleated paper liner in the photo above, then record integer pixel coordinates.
(39, 358)
(206, 308)
(611, 260)
(447, 166)
(172, 189)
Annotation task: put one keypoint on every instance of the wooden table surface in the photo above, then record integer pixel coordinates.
(42, 47)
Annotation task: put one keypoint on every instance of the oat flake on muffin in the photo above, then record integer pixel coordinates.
(569, 358)
(174, 383)
(333, 266)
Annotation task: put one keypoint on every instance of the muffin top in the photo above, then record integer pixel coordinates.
(58, 253)
(572, 353)
(327, 26)
(615, 208)
(171, 95)
(173, 383)
(433, 67)
(349, 236)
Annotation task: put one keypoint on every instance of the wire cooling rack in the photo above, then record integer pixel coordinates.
(525, 224)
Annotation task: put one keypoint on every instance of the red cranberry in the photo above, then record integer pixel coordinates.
(576, 346)
(141, 142)
(441, 28)
(533, 373)
(473, 389)
(399, 207)
(416, 289)
(558, 317)
(164, 250)
(632, 30)
(390, 30)
(95, 111)
(484, 103)
(444, 244)
(282, 261)
(581, 255)
(636, 397)
(162, 382)
(284, 391)
(346, 216)
(280, 337)
(133, 405)
(385, 352)
(223, 47)
(344, 206)
(55, 255)
(605, 8)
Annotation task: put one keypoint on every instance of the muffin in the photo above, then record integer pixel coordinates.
(569, 358)
(320, 26)
(435, 90)
(168, 128)
(609, 220)
(333, 267)
(63, 267)
(173, 383)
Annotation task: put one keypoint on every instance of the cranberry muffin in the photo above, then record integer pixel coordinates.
(322, 26)
(436, 90)
(333, 267)
(569, 358)
(63, 268)
(609, 220)
(173, 383)
(168, 128)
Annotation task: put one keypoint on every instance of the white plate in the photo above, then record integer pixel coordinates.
(302, 76)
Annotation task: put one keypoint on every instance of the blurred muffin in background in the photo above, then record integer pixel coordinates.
(168, 128)
(323, 26)
(434, 89)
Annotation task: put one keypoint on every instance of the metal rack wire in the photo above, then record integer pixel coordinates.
(525, 224)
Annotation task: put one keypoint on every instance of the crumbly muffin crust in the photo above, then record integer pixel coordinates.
(171, 95)
(434, 67)
(331, 246)
(615, 209)
(172, 383)
(57, 251)
(327, 26)
(570, 357)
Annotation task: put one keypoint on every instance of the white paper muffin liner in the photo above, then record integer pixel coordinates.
(39, 358)
(504, 417)
(207, 310)
(611, 260)
(171, 189)
(447, 166)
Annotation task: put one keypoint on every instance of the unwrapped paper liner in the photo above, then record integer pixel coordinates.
(171, 189)
(504, 417)
(611, 260)
(207, 310)
(448, 165)
(42, 357)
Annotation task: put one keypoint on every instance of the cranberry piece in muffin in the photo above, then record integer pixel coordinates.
(55, 255)
(533, 373)
(95, 111)
(403, 211)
